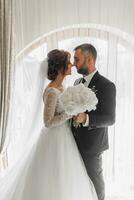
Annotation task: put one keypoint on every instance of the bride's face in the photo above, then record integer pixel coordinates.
(68, 72)
(69, 64)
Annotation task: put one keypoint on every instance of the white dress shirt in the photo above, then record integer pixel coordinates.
(88, 79)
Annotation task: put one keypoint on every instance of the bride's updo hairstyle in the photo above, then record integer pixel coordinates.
(57, 62)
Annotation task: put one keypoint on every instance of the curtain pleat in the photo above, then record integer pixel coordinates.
(6, 72)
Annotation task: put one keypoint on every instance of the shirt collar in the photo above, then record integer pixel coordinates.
(90, 76)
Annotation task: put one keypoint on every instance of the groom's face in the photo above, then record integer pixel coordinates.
(80, 61)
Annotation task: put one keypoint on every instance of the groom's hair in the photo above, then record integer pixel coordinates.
(89, 48)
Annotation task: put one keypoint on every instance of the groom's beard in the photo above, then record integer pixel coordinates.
(83, 70)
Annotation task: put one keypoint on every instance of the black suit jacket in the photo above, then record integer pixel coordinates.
(94, 139)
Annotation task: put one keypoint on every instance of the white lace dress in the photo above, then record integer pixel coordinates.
(56, 170)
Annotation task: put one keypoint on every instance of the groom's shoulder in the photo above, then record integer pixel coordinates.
(77, 81)
(105, 80)
(106, 84)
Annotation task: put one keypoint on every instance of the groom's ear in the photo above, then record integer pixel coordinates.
(90, 59)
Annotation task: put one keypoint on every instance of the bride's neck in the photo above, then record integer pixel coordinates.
(58, 81)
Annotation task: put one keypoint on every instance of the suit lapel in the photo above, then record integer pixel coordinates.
(94, 79)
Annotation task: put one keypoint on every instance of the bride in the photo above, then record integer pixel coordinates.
(56, 170)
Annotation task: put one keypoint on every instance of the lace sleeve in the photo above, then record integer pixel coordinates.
(51, 118)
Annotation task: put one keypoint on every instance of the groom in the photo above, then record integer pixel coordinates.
(92, 133)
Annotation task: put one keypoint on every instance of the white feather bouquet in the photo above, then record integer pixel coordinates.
(77, 99)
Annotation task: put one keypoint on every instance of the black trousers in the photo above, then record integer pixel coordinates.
(93, 165)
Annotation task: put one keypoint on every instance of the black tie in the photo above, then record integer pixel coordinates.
(83, 80)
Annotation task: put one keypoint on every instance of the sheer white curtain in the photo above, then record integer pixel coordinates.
(35, 18)
(109, 26)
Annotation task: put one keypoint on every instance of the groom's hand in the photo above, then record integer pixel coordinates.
(80, 118)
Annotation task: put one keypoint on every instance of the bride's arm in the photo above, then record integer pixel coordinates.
(50, 119)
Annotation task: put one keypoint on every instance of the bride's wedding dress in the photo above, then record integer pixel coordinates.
(56, 170)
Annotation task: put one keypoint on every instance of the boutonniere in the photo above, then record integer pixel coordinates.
(94, 89)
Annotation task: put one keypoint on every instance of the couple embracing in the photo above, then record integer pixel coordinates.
(67, 162)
